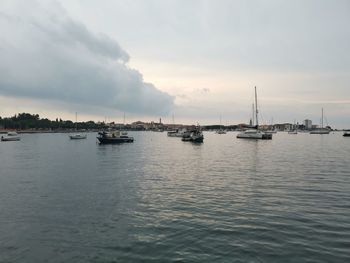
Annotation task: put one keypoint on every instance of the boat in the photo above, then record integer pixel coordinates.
(194, 135)
(10, 136)
(346, 134)
(255, 133)
(220, 131)
(295, 130)
(176, 133)
(320, 130)
(77, 136)
(105, 137)
(272, 130)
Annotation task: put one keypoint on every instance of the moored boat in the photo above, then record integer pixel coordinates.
(113, 137)
(176, 133)
(194, 135)
(255, 133)
(320, 130)
(346, 134)
(10, 136)
(77, 136)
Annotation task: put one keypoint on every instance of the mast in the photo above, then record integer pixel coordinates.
(256, 109)
(253, 113)
(322, 119)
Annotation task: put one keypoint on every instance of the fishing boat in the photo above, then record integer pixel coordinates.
(320, 130)
(255, 133)
(105, 137)
(194, 135)
(77, 136)
(10, 136)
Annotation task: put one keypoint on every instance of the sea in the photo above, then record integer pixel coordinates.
(159, 199)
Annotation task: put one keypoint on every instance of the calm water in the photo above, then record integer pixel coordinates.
(163, 200)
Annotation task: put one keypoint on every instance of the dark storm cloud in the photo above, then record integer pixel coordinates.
(47, 55)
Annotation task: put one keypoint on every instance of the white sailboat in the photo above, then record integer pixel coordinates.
(320, 130)
(77, 136)
(220, 131)
(255, 133)
(295, 129)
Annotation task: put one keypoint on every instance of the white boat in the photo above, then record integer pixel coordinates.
(10, 136)
(77, 136)
(221, 130)
(176, 133)
(255, 133)
(320, 130)
(295, 129)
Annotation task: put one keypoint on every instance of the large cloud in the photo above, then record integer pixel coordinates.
(47, 55)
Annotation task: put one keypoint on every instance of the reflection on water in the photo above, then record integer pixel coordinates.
(161, 199)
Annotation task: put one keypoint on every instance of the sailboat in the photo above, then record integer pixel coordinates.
(295, 129)
(77, 136)
(220, 131)
(255, 133)
(320, 130)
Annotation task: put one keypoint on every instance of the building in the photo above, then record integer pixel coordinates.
(308, 124)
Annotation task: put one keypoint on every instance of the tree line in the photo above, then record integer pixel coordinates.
(25, 121)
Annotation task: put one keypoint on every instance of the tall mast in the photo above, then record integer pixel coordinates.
(322, 119)
(256, 110)
(253, 113)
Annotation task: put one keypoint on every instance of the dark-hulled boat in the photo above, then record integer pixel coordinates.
(113, 137)
(194, 135)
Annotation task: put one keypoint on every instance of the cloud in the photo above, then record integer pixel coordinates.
(47, 55)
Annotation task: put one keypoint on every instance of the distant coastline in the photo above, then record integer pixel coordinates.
(32, 123)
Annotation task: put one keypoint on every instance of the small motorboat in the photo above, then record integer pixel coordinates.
(10, 136)
(77, 136)
(346, 134)
(113, 137)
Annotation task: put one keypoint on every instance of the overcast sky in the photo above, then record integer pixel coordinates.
(194, 59)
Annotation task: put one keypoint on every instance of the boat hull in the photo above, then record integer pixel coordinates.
(257, 136)
(347, 134)
(10, 139)
(75, 137)
(115, 140)
(319, 132)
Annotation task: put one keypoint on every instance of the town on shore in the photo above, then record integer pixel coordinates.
(32, 123)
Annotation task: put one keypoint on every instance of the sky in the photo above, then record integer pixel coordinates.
(195, 60)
